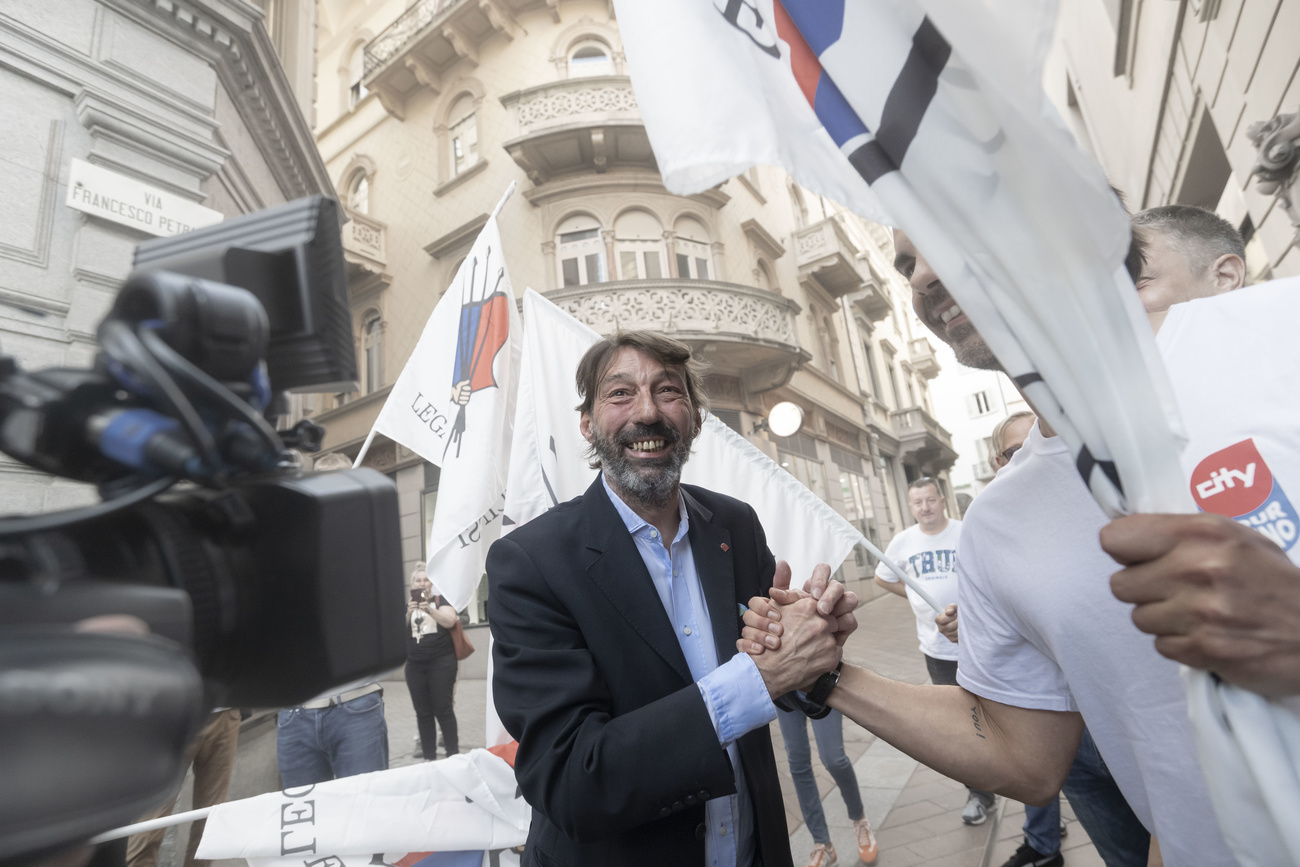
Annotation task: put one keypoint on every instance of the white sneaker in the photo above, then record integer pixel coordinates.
(977, 809)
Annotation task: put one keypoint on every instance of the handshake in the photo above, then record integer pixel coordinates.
(796, 636)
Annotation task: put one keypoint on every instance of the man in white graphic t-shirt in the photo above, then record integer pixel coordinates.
(928, 551)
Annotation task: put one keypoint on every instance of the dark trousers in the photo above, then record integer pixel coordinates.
(432, 683)
(944, 673)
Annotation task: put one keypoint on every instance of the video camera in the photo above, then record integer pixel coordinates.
(261, 585)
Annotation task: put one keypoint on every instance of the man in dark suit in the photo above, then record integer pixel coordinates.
(642, 734)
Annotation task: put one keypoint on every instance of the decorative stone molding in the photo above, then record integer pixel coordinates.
(1278, 170)
(554, 103)
(246, 63)
(700, 307)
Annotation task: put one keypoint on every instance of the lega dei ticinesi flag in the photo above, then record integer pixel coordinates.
(453, 405)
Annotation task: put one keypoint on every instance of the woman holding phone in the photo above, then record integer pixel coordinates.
(431, 664)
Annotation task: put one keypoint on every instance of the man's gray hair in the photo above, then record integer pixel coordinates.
(1198, 235)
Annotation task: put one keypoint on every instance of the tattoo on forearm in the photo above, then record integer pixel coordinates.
(975, 718)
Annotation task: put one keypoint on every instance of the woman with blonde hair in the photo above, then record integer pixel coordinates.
(431, 664)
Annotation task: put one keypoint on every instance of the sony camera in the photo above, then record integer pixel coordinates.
(260, 585)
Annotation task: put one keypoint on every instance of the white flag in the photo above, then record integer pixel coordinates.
(469, 802)
(453, 405)
(930, 115)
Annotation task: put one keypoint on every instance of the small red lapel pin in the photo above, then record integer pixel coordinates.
(725, 547)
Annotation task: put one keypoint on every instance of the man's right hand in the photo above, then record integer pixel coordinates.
(807, 650)
(947, 623)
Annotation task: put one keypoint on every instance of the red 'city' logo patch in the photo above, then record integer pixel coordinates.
(1232, 481)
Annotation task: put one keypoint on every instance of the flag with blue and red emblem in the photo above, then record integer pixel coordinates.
(453, 405)
(930, 115)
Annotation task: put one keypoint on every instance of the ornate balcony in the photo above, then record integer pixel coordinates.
(742, 331)
(923, 359)
(983, 471)
(582, 124)
(924, 439)
(429, 38)
(826, 256)
(365, 250)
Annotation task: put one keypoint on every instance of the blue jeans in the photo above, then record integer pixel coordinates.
(1120, 839)
(829, 731)
(316, 745)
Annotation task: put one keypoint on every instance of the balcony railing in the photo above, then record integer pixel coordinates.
(366, 237)
(741, 330)
(923, 359)
(580, 124)
(408, 25)
(824, 252)
(915, 421)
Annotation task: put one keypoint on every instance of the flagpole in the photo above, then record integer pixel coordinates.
(505, 196)
(897, 570)
(152, 825)
(365, 447)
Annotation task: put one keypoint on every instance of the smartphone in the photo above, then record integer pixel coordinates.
(417, 595)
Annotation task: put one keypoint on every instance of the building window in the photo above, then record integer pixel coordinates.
(356, 68)
(978, 403)
(694, 255)
(827, 343)
(358, 192)
(462, 135)
(911, 390)
(588, 59)
(807, 471)
(580, 251)
(639, 245)
(892, 375)
(763, 278)
(372, 332)
(800, 209)
(871, 370)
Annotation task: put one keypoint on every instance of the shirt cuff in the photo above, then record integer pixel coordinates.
(736, 698)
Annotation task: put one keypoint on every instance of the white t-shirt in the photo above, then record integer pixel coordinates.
(1040, 629)
(1241, 463)
(1039, 626)
(932, 561)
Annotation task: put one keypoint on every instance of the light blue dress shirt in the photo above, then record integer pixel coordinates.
(733, 692)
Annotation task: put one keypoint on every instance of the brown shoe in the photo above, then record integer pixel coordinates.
(867, 850)
(823, 855)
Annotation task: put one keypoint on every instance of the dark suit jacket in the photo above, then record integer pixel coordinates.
(616, 751)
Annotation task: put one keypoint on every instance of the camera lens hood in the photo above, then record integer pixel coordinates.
(93, 730)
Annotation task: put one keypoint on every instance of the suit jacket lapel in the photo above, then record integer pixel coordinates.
(619, 572)
(711, 546)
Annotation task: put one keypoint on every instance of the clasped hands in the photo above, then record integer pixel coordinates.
(795, 636)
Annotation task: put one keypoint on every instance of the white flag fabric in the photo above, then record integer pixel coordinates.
(468, 802)
(453, 405)
(930, 115)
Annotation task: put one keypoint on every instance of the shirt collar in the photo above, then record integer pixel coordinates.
(634, 522)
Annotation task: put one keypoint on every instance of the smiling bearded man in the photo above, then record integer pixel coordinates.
(643, 735)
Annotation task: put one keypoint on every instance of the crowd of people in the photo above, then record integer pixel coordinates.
(643, 731)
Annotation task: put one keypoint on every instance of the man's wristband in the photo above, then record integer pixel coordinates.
(822, 689)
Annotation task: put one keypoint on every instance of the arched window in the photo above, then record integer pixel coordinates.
(580, 251)
(588, 59)
(356, 69)
(639, 245)
(763, 278)
(372, 342)
(462, 135)
(358, 192)
(694, 256)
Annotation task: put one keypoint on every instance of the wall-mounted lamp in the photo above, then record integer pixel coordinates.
(783, 420)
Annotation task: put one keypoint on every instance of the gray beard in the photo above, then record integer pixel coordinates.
(649, 483)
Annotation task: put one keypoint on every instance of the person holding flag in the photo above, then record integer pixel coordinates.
(1045, 645)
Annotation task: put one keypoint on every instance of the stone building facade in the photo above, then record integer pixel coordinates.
(176, 107)
(427, 111)
(1192, 102)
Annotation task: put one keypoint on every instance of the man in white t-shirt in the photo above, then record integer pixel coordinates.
(928, 551)
(1044, 643)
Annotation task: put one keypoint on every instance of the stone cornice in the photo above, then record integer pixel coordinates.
(229, 33)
